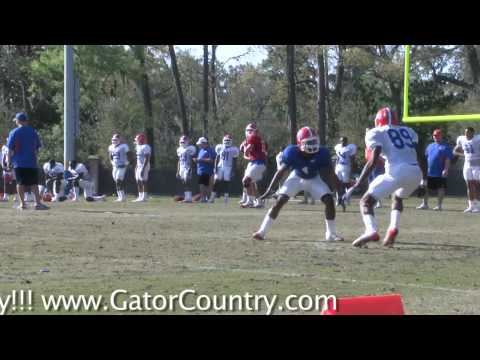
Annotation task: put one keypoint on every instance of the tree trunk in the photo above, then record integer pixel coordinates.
(321, 99)
(292, 101)
(340, 73)
(205, 90)
(139, 51)
(213, 73)
(473, 62)
(178, 86)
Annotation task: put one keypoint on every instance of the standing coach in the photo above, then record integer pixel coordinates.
(23, 144)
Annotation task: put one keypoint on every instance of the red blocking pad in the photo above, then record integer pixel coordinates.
(367, 305)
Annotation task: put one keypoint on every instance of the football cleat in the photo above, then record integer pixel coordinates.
(334, 237)
(258, 236)
(437, 208)
(422, 207)
(390, 237)
(469, 209)
(246, 205)
(365, 238)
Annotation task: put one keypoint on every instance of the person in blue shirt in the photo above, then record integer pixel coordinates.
(439, 155)
(23, 144)
(205, 161)
(305, 161)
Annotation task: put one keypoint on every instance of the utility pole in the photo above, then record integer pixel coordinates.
(68, 107)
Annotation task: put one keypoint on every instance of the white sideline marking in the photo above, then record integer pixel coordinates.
(372, 282)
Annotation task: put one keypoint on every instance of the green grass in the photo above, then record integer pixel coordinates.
(162, 247)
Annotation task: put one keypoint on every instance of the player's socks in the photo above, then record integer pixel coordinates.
(331, 227)
(188, 196)
(370, 223)
(394, 219)
(244, 198)
(225, 199)
(77, 193)
(267, 221)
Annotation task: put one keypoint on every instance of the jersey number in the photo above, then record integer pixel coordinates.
(305, 170)
(400, 138)
(468, 148)
(225, 156)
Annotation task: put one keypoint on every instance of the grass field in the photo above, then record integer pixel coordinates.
(162, 247)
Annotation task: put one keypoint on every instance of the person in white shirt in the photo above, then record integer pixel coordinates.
(224, 166)
(8, 175)
(185, 153)
(118, 156)
(468, 146)
(345, 161)
(78, 178)
(144, 152)
(403, 175)
(54, 181)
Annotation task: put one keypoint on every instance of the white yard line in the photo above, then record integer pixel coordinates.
(371, 282)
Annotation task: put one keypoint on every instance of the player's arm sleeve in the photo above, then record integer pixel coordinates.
(373, 139)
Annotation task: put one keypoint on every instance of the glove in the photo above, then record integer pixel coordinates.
(346, 197)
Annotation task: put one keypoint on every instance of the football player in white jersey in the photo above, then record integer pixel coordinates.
(343, 169)
(468, 146)
(54, 178)
(224, 166)
(403, 175)
(78, 177)
(118, 155)
(8, 175)
(144, 152)
(185, 153)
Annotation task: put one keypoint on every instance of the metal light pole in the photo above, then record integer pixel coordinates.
(68, 107)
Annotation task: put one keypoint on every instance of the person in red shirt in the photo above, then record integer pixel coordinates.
(255, 151)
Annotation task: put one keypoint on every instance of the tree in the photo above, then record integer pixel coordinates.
(321, 99)
(178, 86)
(144, 86)
(205, 90)
(292, 101)
(213, 74)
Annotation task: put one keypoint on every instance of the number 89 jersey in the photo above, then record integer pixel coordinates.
(398, 144)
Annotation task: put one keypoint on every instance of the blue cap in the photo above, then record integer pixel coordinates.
(21, 116)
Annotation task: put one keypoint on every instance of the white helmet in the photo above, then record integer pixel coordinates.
(227, 140)
(116, 139)
(183, 142)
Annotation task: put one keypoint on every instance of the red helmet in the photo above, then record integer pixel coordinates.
(140, 139)
(116, 139)
(251, 129)
(385, 116)
(227, 140)
(307, 140)
(183, 141)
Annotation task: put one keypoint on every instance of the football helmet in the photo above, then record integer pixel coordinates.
(140, 139)
(183, 142)
(251, 129)
(385, 116)
(227, 140)
(116, 139)
(307, 140)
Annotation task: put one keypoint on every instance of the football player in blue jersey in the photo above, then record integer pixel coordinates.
(305, 161)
